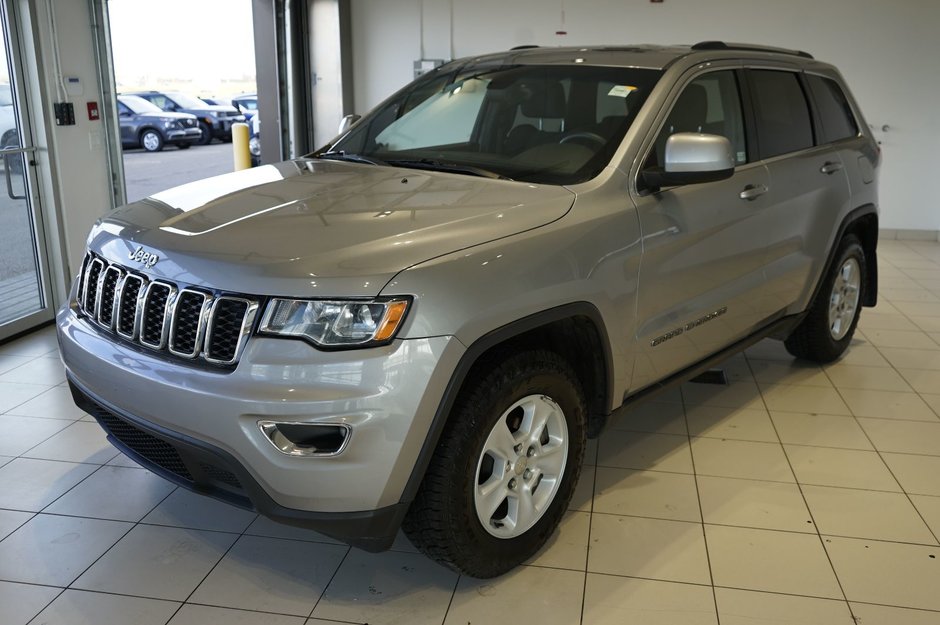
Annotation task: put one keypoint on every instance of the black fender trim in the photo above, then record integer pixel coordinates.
(473, 354)
(871, 258)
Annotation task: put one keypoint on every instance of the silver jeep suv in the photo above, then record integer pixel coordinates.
(419, 325)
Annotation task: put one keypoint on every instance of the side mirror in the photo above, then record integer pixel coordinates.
(692, 158)
(348, 122)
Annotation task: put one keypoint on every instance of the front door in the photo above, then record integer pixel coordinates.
(704, 245)
(24, 283)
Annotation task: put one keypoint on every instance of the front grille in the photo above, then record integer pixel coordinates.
(148, 446)
(164, 316)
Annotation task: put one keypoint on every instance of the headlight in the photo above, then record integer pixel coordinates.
(169, 123)
(335, 323)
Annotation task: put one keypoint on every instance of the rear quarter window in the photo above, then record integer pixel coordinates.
(783, 120)
(838, 121)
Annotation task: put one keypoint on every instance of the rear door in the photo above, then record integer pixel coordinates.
(704, 245)
(808, 186)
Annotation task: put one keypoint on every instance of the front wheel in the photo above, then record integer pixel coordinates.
(826, 331)
(151, 140)
(206, 137)
(505, 468)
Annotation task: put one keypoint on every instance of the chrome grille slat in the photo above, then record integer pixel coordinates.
(162, 316)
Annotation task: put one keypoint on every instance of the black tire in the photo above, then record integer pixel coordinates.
(206, 137)
(151, 140)
(183, 146)
(816, 338)
(443, 521)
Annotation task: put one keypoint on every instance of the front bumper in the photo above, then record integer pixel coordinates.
(208, 417)
(188, 135)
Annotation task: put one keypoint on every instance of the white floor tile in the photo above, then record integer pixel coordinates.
(649, 548)
(905, 437)
(610, 600)
(583, 496)
(13, 394)
(114, 493)
(887, 573)
(263, 526)
(543, 596)
(746, 424)
(641, 450)
(770, 561)
(271, 575)
(922, 380)
(56, 403)
(868, 614)
(789, 372)
(187, 509)
(19, 603)
(19, 434)
(646, 493)
(848, 468)
(746, 459)
(750, 503)
(567, 547)
(47, 371)
(54, 550)
(10, 520)
(390, 587)
(806, 399)
(889, 405)
(866, 514)
(78, 607)
(918, 475)
(31, 485)
(79, 442)
(651, 416)
(157, 562)
(12, 361)
(747, 607)
(796, 428)
(206, 615)
(847, 377)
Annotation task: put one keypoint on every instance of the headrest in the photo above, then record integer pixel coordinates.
(691, 110)
(545, 100)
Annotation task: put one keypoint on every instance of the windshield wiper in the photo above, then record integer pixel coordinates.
(457, 168)
(353, 158)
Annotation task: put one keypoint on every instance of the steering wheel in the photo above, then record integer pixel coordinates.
(590, 137)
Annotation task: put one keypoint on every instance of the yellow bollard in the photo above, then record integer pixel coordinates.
(240, 146)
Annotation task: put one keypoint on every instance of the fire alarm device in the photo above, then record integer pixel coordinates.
(93, 111)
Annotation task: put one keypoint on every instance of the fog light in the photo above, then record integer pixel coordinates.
(306, 439)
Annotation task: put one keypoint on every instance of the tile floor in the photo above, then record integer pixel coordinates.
(797, 494)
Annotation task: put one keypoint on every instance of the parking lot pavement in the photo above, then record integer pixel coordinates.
(146, 173)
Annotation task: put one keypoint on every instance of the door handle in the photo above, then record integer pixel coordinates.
(830, 167)
(752, 192)
(8, 160)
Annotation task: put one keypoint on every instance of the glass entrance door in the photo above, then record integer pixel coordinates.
(24, 293)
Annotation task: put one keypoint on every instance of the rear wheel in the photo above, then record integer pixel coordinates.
(151, 140)
(505, 468)
(826, 331)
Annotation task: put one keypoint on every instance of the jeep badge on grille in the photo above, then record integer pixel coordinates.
(147, 259)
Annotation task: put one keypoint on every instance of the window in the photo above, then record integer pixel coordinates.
(710, 104)
(783, 122)
(838, 122)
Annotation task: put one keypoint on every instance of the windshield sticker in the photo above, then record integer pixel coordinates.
(621, 91)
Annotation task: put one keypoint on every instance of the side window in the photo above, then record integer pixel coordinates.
(783, 122)
(838, 121)
(159, 100)
(123, 111)
(711, 104)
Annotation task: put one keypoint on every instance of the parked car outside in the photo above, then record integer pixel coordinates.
(419, 325)
(215, 121)
(254, 140)
(247, 103)
(213, 101)
(145, 125)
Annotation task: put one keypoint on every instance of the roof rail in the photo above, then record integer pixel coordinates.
(721, 45)
(527, 46)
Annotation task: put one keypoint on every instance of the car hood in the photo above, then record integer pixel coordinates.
(318, 228)
(214, 108)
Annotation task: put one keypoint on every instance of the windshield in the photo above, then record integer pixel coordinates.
(550, 124)
(187, 101)
(139, 105)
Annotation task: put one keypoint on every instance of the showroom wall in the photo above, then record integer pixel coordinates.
(888, 52)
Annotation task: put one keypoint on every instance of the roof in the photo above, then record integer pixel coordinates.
(643, 56)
